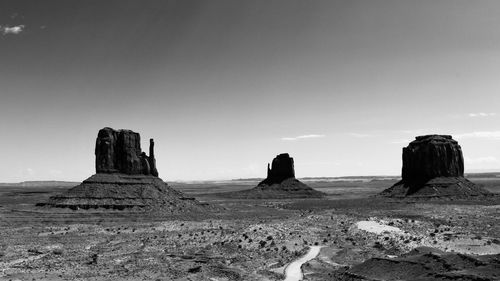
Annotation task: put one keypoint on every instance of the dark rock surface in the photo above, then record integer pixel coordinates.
(279, 184)
(121, 191)
(289, 188)
(433, 166)
(125, 178)
(432, 156)
(119, 151)
(151, 158)
(281, 169)
(425, 264)
(440, 188)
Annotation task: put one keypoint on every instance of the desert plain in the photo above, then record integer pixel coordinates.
(250, 239)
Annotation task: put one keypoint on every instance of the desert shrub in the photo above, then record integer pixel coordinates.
(378, 245)
(57, 251)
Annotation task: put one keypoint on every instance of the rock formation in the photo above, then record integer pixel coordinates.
(432, 156)
(424, 264)
(120, 152)
(125, 178)
(280, 183)
(433, 166)
(281, 169)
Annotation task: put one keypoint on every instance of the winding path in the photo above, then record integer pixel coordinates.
(293, 271)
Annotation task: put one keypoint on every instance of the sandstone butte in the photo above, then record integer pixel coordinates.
(126, 178)
(280, 183)
(433, 167)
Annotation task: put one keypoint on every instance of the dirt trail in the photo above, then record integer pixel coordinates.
(293, 271)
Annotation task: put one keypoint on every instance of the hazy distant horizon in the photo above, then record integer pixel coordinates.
(224, 86)
(479, 171)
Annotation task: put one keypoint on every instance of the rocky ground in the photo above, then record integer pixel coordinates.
(246, 240)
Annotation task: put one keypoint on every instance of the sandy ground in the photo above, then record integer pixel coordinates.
(247, 240)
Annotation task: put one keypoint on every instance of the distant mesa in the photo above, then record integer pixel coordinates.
(279, 184)
(125, 178)
(433, 166)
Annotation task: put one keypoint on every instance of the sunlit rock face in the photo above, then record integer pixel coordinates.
(433, 166)
(432, 156)
(119, 151)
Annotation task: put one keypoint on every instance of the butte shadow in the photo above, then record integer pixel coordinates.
(280, 183)
(125, 178)
(433, 167)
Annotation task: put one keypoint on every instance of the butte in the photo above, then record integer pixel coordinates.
(280, 183)
(433, 167)
(126, 178)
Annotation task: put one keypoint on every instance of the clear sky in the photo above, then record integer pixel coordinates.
(225, 85)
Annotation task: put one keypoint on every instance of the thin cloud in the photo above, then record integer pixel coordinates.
(302, 137)
(12, 29)
(415, 131)
(30, 172)
(358, 135)
(479, 135)
(482, 114)
(55, 173)
(318, 163)
(401, 141)
(481, 160)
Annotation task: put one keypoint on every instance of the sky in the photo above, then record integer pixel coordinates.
(223, 86)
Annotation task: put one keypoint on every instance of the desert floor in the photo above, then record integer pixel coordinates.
(245, 240)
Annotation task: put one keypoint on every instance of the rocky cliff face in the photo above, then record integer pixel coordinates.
(280, 170)
(433, 167)
(120, 152)
(432, 156)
